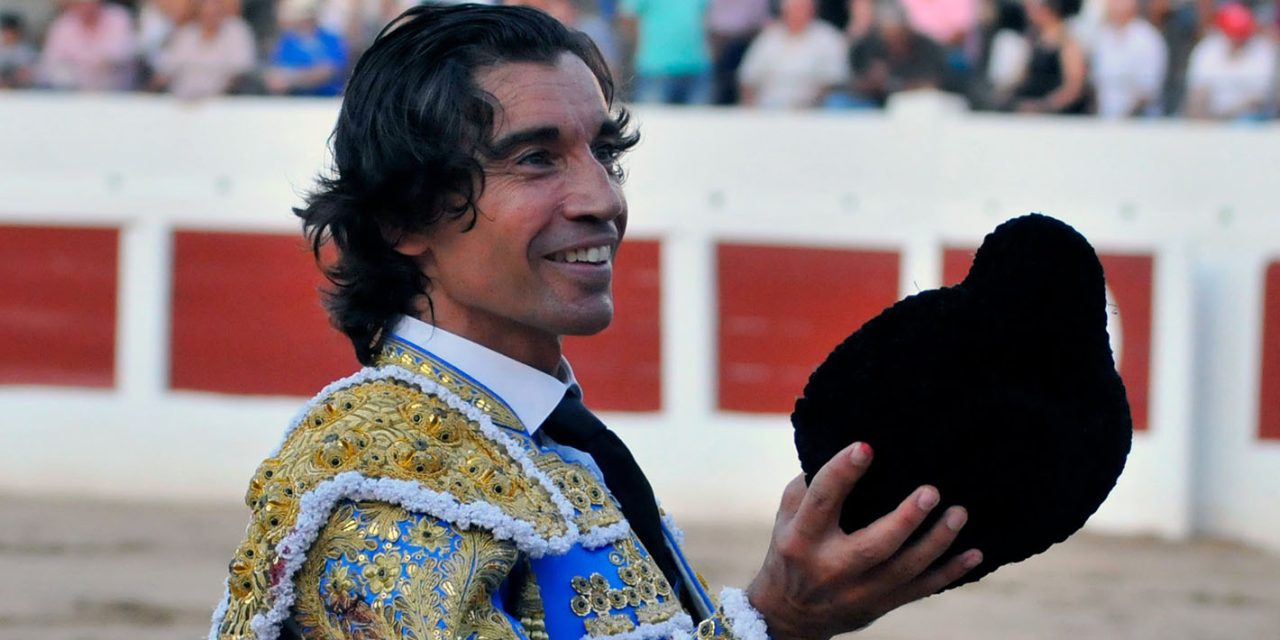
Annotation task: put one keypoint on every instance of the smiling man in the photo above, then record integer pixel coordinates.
(457, 487)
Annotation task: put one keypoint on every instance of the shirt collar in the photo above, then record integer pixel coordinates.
(531, 394)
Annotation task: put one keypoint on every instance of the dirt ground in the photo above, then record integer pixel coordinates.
(111, 571)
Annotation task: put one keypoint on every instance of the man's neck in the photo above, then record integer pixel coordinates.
(533, 348)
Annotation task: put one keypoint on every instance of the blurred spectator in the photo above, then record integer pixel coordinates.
(1178, 22)
(572, 15)
(948, 22)
(1231, 71)
(894, 57)
(795, 62)
(308, 60)
(862, 17)
(17, 56)
(671, 60)
(1129, 63)
(359, 21)
(1008, 50)
(731, 27)
(157, 21)
(208, 55)
(1055, 78)
(90, 46)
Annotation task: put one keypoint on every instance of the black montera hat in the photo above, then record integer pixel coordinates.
(1000, 391)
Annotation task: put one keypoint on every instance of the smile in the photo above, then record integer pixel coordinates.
(590, 255)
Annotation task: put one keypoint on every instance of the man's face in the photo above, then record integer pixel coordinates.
(1121, 11)
(538, 264)
(797, 14)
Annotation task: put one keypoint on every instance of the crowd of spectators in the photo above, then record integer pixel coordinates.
(1113, 58)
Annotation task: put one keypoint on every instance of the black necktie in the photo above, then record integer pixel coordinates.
(571, 424)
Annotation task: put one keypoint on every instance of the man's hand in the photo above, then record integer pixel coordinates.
(817, 581)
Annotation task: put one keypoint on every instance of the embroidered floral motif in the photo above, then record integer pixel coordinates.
(382, 572)
(428, 535)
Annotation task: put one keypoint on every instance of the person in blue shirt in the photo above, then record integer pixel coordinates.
(307, 60)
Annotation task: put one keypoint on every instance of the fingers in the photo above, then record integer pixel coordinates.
(792, 496)
(820, 509)
(916, 559)
(935, 580)
(881, 539)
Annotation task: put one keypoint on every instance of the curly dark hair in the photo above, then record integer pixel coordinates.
(406, 150)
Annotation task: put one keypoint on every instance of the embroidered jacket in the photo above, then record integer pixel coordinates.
(407, 501)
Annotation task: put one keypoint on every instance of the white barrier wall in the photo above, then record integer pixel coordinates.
(920, 178)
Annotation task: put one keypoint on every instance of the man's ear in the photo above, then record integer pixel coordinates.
(412, 244)
(417, 246)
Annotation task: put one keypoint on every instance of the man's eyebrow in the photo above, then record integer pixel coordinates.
(508, 143)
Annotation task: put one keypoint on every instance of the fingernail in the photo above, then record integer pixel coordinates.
(927, 499)
(861, 454)
(956, 519)
(974, 559)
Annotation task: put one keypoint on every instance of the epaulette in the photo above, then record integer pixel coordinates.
(389, 435)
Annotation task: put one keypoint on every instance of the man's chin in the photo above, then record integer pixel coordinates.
(587, 325)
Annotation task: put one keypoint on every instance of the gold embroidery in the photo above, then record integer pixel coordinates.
(403, 354)
(707, 629)
(609, 624)
(587, 495)
(529, 609)
(434, 598)
(646, 591)
(387, 429)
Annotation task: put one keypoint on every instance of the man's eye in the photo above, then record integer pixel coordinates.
(535, 158)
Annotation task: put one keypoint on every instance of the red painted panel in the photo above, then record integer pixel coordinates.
(247, 317)
(621, 367)
(58, 289)
(1269, 401)
(783, 309)
(1131, 284)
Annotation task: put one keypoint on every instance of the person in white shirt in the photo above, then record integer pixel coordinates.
(206, 56)
(1231, 72)
(1129, 63)
(795, 62)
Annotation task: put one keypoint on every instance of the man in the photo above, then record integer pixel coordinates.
(207, 56)
(90, 47)
(1129, 63)
(894, 57)
(307, 60)
(1232, 70)
(795, 62)
(458, 487)
(672, 61)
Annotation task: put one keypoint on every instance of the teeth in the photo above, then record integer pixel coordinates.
(593, 255)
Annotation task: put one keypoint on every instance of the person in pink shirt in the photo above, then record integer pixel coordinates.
(948, 22)
(207, 56)
(91, 46)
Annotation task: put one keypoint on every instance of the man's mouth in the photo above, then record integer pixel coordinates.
(589, 255)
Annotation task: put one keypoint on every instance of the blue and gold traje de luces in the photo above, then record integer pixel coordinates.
(410, 502)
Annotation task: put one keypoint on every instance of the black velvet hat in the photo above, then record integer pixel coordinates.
(1000, 391)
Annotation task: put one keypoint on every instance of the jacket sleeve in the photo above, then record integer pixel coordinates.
(734, 619)
(377, 571)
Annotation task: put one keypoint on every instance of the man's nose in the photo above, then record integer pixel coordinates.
(593, 191)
